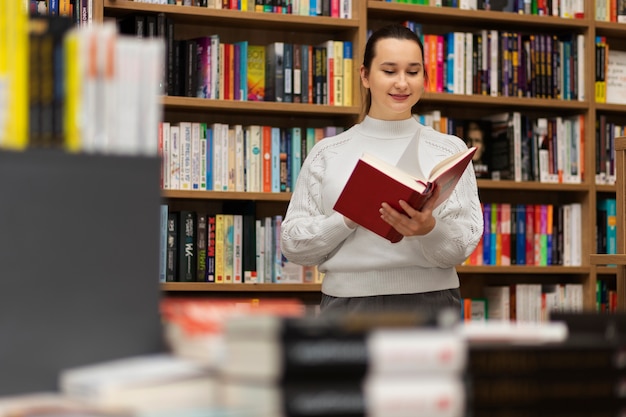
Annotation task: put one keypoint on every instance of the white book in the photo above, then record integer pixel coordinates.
(224, 155)
(174, 160)
(576, 234)
(567, 235)
(494, 68)
(215, 77)
(232, 163)
(459, 63)
(616, 77)
(202, 185)
(573, 297)
(239, 169)
(152, 53)
(185, 155)
(345, 10)
(127, 81)
(195, 156)
(254, 159)
(142, 384)
(217, 157)
(580, 62)
(469, 52)
(416, 396)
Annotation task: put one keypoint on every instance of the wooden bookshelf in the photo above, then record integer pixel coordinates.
(267, 27)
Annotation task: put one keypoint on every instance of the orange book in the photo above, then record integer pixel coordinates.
(266, 166)
(374, 181)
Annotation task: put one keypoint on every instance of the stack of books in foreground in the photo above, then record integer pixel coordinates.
(354, 365)
(395, 365)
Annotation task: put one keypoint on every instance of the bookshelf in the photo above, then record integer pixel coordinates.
(264, 28)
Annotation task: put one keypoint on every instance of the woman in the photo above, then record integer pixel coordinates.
(362, 271)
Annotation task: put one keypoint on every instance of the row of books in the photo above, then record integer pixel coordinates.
(80, 11)
(566, 9)
(82, 89)
(508, 64)
(610, 11)
(610, 83)
(606, 132)
(221, 157)
(514, 146)
(529, 234)
(331, 8)
(526, 302)
(225, 248)
(207, 67)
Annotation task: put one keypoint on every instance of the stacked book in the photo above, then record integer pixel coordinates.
(356, 365)
(581, 375)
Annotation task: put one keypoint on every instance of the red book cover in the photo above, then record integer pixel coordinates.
(374, 181)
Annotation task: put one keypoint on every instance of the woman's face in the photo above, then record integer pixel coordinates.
(395, 79)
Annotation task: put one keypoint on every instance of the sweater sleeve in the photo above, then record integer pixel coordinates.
(308, 234)
(458, 228)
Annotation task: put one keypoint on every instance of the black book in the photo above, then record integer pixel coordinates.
(133, 24)
(46, 85)
(201, 246)
(187, 252)
(171, 266)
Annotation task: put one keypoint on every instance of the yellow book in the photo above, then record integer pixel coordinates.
(600, 82)
(13, 75)
(256, 72)
(338, 78)
(72, 75)
(348, 77)
(229, 248)
(219, 249)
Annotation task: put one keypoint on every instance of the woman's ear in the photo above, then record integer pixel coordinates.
(363, 73)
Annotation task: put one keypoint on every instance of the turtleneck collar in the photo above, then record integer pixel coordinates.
(388, 129)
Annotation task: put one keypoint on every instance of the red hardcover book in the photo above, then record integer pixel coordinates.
(374, 181)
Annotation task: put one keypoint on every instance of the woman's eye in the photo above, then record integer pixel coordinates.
(413, 72)
(388, 72)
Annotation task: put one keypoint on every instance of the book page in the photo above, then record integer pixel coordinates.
(409, 160)
(448, 163)
(394, 172)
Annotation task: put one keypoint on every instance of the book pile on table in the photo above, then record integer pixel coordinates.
(582, 375)
(355, 365)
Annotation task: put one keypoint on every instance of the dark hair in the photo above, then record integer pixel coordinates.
(393, 31)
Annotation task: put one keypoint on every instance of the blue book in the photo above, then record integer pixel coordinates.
(487, 234)
(209, 158)
(243, 70)
(520, 240)
(611, 225)
(275, 159)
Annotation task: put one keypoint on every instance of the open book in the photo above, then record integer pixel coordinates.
(374, 181)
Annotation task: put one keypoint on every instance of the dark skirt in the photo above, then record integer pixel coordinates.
(428, 303)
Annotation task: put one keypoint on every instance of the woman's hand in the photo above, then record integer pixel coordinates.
(414, 222)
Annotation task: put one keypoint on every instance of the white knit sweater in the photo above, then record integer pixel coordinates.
(357, 262)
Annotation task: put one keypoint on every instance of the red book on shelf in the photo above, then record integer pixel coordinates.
(374, 181)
